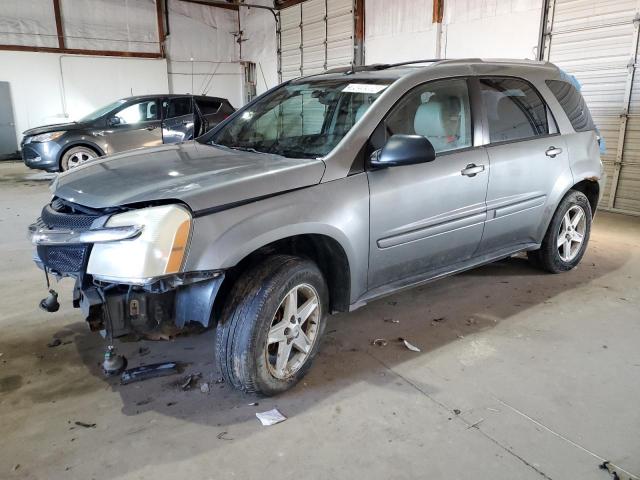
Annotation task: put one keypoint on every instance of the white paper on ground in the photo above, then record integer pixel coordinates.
(270, 417)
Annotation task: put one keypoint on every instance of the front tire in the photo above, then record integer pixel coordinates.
(76, 156)
(271, 326)
(567, 237)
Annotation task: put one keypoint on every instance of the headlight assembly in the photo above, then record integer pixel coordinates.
(158, 250)
(46, 137)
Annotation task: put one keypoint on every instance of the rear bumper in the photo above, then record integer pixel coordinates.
(42, 156)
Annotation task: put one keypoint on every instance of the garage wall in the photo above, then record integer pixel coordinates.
(203, 56)
(52, 88)
(597, 42)
(260, 44)
(470, 28)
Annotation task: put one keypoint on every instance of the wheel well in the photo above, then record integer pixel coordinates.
(326, 252)
(591, 189)
(74, 145)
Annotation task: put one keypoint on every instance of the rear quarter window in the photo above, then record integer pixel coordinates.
(573, 105)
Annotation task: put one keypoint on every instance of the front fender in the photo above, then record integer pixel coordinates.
(338, 209)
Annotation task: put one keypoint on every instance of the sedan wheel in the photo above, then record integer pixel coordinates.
(76, 156)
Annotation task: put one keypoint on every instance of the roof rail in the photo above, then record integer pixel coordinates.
(410, 62)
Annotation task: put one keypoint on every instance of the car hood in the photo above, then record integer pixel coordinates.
(56, 127)
(202, 176)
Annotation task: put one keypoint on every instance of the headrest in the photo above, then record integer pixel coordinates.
(428, 120)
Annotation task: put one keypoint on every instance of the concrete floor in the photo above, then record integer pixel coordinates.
(544, 370)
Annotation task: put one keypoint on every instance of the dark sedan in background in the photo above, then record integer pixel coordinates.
(134, 122)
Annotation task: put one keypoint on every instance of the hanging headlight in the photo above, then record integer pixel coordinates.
(159, 249)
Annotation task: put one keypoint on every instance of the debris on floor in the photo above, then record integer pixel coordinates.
(56, 342)
(616, 472)
(146, 372)
(253, 404)
(438, 320)
(391, 320)
(204, 388)
(190, 381)
(475, 425)
(410, 346)
(471, 321)
(85, 425)
(221, 436)
(270, 417)
(457, 411)
(142, 351)
(379, 342)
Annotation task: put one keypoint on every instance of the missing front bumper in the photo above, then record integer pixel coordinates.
(170, 302)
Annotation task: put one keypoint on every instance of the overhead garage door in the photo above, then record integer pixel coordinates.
(597, 41)
(315, 35)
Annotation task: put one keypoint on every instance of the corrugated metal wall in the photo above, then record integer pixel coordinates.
(597, 41)
(316, 35)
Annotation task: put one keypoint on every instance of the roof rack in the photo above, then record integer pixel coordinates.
(384, 66)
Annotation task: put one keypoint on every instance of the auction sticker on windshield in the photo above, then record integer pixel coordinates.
(363, 88)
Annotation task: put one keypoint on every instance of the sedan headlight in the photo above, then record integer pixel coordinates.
(46, 137)
(158, 250)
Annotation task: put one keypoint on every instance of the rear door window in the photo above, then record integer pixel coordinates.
(514, 109)
(573, 105)
(208, 107)
(177, 107)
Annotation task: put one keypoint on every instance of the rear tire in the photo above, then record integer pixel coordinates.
(76, 156)
(263, 345)
(567, 237)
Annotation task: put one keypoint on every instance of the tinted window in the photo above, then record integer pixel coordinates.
(139, 112)
(208, 107)
(176, 107)
(573, 105)
(514, 109)
(439, 111)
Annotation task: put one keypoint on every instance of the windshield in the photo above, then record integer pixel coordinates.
(304, 119)
(101, 111)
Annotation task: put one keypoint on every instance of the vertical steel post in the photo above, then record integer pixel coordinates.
(624, 115)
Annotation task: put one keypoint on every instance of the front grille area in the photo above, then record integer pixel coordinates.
(65, 216)
(64, 259)
(61, 215)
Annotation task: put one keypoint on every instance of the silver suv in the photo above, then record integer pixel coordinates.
(323, 194)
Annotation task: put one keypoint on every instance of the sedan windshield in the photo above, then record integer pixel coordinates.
(101, 111)
(303, 119)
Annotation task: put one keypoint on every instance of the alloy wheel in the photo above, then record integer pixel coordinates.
(78, 158)
(293, 331)
(572, 231)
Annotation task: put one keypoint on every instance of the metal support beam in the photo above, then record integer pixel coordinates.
(624, 115)
(59, 29)
(359, 14)
(80, 51)
(161, 35)
(546, 30)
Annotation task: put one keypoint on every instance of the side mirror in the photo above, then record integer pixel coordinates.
(113, 121)
(404, 150)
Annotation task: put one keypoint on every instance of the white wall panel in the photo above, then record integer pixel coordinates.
(260, 45)
(29, 23)
(121, 25)
(203, 55)
(399, 31)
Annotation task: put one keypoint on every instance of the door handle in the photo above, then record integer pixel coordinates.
(553, 151)
(187, 122)
(472, 170)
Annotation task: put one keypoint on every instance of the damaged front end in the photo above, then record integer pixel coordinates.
(128, 266)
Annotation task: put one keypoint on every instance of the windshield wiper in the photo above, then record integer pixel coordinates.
(246, 149)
